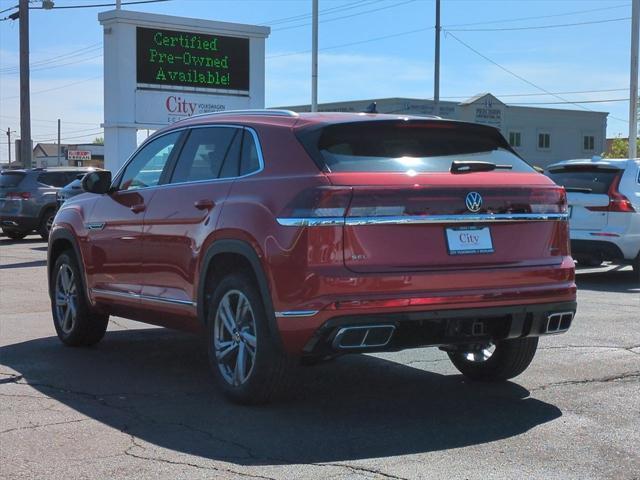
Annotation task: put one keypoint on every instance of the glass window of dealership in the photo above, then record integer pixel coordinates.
(541, 135)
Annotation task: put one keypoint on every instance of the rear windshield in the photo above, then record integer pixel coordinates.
(584, 179)
(405, 146)
(11, 179)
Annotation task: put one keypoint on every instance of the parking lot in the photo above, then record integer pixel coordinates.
(141, 404)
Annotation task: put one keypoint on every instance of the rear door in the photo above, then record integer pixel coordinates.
(410, 211)
(587, 189)
(184, 212)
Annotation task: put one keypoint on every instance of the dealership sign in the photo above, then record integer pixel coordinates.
(159, 69)
(79, 155)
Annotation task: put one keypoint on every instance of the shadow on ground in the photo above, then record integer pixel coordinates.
(154, 384)
(618, 279)
(29, 264)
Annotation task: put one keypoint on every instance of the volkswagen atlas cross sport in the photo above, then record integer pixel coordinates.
(292, 238)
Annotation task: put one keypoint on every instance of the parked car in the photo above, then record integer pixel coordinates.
(604, 206)
(70, 190)
(292, 238)
(28, 199)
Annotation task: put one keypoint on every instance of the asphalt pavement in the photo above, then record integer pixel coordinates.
(141, 404)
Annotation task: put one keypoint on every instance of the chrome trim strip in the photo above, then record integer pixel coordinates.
(296, 313)
(138, 296)
(417, 220)
(94, 226)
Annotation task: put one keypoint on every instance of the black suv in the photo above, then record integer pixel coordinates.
(28, 198)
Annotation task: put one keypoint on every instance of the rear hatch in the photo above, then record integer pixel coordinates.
(410, 210)
(588, 187)
(10, 192)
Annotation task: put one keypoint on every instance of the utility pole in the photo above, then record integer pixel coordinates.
(25, 102)
(633, 80)
(436, 66)
(314, 58)
(58, 142)
(9, 143)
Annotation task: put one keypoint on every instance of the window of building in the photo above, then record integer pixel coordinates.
(589, 143)
(544, 141)
(515, 139)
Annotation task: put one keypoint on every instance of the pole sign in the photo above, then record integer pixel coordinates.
(187, 59)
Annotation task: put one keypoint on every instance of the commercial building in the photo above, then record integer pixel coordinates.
(76, 155)
(540, 135)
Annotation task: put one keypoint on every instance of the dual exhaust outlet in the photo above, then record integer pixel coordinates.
(557, 323)
(363, 336)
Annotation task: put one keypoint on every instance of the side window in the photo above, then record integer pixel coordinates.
(53, 179)
(145, 169)
(250, 160)
(205, 154)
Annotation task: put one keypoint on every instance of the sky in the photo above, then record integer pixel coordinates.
(368, 49)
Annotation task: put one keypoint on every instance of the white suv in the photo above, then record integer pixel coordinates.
(604, 209)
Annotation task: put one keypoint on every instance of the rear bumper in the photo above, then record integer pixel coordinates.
(444, 328)
(608, 244)
(18, 223)
(426, 293)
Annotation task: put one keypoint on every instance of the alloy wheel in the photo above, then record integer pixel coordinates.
(235, 340)
(49, 223)
(481, 354)
(66, 299)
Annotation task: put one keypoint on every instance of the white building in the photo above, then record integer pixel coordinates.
(541, 135)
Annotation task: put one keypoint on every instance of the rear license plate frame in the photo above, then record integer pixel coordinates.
(483, 246)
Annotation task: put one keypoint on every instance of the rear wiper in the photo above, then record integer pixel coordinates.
(578, 189)
(466, 167)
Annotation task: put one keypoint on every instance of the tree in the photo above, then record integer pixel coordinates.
(98, 141)
(619, 148)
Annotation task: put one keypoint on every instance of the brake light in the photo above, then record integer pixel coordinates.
(18, 196)
(617, 201)
(319, 202)
(548, 200)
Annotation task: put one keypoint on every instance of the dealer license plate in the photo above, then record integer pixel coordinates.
(469, 240)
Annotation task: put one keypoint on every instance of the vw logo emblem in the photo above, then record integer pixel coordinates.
(473, 201)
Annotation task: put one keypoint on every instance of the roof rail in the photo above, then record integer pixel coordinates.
(255, 111)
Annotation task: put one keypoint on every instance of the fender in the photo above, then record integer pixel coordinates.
(64, 234)
(246, 250)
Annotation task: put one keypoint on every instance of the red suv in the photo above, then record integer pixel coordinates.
(291, 238)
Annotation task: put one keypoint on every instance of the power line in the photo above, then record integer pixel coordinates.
(348, 6)
(537, 17)
(55, 88)
(538, 27)
(501, 95)
(519, 77)
(347, 16)
(95, 5)
(66, 56)
(608, 100)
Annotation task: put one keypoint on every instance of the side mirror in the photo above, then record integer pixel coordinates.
(97, 182)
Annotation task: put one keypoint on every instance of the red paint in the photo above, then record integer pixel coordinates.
(337, 270)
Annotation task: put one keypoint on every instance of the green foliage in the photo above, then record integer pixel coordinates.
(98, 141)
(620, 148)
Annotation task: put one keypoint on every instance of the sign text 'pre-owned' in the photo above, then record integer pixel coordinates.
(166, 57)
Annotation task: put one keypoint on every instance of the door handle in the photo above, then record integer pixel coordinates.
(204, 204)
(140, 207)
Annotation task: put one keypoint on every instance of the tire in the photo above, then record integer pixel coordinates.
(15, 234)
(86, 327)
(45, 224)
(509, 359)
(589, 262)
(265, 369)
(636, 269)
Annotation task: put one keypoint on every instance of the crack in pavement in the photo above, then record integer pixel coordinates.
(44, 425)
(357, 469)
(604, 347)
(135, 444)
(612, 378)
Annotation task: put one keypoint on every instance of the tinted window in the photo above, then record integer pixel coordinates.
(11, 179)
(584, 179)
(205, 153)
(409, 146)
(54, 179)
(250, 161)
(147, 166)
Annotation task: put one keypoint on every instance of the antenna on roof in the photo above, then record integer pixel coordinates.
(371, 108)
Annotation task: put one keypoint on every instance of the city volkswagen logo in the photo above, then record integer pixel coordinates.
(473, 201)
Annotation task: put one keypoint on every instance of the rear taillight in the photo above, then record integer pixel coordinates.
(548, 200)
(319, 202)
(617, 201)
(18, 196)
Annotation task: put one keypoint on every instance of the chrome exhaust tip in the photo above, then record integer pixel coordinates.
(363, 336)
(558, 323)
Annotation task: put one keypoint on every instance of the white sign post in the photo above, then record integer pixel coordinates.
(159, 69)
